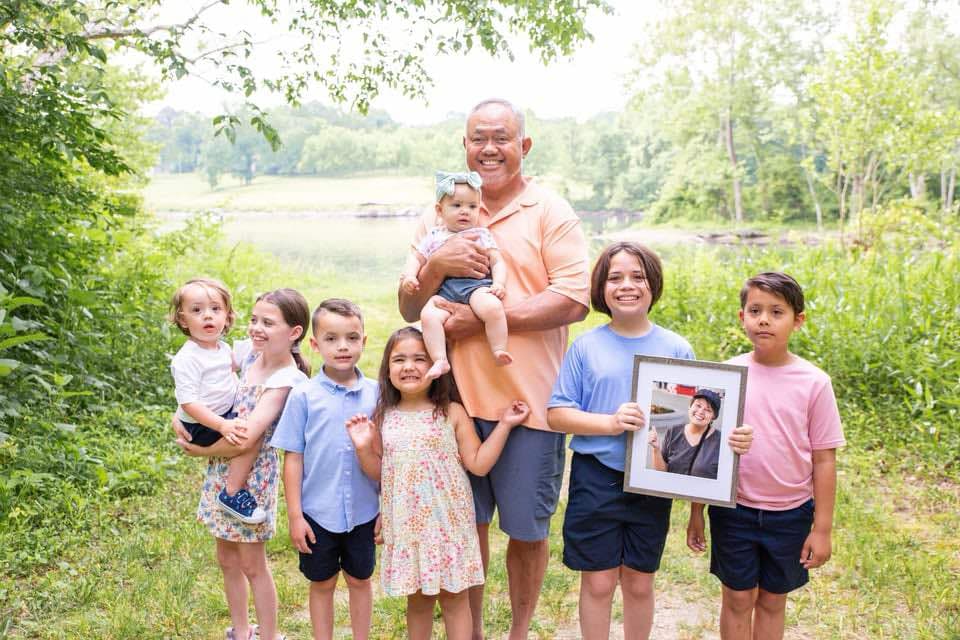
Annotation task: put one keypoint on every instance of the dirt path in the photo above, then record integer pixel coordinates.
(677, 618)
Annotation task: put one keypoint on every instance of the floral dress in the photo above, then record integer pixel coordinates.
(263, 481)
(429, 527)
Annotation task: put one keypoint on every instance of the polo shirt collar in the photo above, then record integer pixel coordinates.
(529, 197)
(333, 387)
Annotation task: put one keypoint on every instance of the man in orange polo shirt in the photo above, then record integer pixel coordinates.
(543, 246)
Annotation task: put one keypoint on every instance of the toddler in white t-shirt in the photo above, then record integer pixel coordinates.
(205, 379)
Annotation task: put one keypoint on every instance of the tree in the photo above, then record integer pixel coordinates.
(934, 49)
(718, 65)
(874, 117)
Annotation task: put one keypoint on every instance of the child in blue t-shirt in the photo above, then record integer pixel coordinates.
(609, 535)
(332, 506)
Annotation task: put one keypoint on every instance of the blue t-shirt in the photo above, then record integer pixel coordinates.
(335, 492)
(596, 376)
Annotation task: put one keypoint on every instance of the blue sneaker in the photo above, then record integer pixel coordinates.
(241, 506)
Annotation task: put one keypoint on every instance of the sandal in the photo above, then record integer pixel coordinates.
(251, 633)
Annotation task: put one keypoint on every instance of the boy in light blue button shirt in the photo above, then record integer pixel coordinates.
(332, 506)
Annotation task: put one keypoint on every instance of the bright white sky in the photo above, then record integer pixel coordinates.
(592, 81)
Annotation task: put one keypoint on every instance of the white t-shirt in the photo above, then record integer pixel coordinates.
(204, 376)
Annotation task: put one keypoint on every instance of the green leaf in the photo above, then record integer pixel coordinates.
(14, 341)
(7, 366)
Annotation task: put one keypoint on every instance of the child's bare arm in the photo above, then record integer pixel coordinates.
(628, 417)
(817, 548)
(300, 531)
(367, 443)
(479, 457)
(498, 273)
(411, 270)
(201, 414)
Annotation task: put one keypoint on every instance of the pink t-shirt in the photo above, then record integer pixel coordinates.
(793, 412)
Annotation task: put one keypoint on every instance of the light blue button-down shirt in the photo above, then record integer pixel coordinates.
(335, 493)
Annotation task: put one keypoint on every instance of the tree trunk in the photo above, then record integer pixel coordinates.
(816, 200)
(732, 156)
(918, 186)
(728, 133)
(951, 186)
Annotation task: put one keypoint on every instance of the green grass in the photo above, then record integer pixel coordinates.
(150, 572)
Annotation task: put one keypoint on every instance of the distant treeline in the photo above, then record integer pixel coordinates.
(741, 111)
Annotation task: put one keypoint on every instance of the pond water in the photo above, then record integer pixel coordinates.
(361, 247)
(376, 247)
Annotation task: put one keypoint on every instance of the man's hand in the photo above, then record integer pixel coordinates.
(461, 257)
(300, 533)
(628, 417)
(462, 323)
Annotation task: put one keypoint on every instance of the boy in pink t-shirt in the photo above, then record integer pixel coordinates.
(762, 549)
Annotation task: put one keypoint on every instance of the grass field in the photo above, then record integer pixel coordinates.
(191, 192)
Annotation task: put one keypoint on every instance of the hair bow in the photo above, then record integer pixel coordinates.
(446, 182)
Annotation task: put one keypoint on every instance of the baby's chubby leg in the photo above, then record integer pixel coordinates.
(489, 309)
(432, 318)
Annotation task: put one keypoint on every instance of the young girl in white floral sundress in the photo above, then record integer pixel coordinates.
(271, 367)
(417, 445)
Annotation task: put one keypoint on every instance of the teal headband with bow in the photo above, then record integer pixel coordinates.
(446, 182)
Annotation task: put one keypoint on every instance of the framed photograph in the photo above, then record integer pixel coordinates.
(692, 406)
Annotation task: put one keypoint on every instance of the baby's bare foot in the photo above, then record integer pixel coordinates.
(503, 358)
(439, 368)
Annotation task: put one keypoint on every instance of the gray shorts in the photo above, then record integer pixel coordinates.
(524, 484)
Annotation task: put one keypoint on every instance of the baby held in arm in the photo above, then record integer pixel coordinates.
(458, 212)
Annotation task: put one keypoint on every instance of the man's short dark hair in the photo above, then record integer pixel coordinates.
(779, 284)
(652, 270)
(339, 306)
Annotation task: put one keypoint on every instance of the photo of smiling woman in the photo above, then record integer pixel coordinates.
(693, 448)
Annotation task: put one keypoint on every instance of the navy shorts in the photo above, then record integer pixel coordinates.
(205, 436)
(753, 547)
(353, 551)
(524, 485)
(606, 527)
(460, 289)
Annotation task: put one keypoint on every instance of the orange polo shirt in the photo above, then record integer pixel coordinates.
(542, 243)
